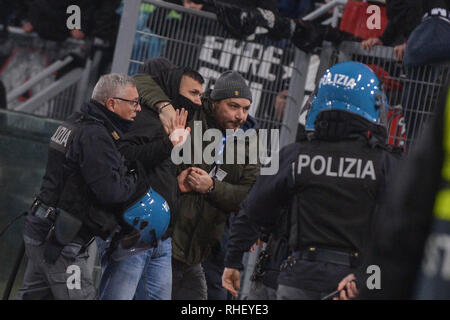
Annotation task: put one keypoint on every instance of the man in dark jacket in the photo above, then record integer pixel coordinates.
(84, 188)
(209, 191)
(148, 275)
(415, 267)
(331, 184)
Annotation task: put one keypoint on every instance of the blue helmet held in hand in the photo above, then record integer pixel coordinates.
(149, 217)
(350, 87)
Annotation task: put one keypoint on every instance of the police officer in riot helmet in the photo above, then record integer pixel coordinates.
(86, 188)
(331, 182)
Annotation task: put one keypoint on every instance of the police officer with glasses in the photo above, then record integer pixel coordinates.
(86, 187)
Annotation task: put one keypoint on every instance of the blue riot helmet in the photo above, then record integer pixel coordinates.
(149, 218)
(351, 87)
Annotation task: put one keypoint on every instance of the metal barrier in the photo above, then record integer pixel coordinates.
(196, 39)
(46, 87)
(274, 70)
(412, 91)
(23, 154)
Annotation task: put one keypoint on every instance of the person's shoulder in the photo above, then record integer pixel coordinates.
(92, 130)
(293, 146)
(139, 76)
(291, 151)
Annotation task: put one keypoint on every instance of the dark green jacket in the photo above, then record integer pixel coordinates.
(201, 218)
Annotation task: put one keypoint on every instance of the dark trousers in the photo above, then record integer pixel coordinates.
(260, 291)
(68, 279)
(291, 293)
(214, 266)
(303, 279)
(213, 274)
(188, 282)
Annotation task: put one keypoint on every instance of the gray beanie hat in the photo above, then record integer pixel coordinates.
(230, 84)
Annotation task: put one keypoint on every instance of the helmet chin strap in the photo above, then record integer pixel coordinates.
(333, 125)
(336, 125)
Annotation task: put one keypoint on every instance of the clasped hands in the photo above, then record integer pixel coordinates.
(194, 179)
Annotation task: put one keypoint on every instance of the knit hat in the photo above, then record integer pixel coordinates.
(230, 84)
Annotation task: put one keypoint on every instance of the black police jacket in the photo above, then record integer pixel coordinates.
(334, 186)
(148, 143)
(406, 246)
(86, 175)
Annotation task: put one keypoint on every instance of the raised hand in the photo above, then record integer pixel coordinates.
(178, 124)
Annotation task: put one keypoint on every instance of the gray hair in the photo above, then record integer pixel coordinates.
(111, 85)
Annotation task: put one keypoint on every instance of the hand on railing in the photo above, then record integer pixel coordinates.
(399, 51)
(370, 43)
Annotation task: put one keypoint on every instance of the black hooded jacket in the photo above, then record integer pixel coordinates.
(404, 16)
(147, 140)
(398, 247)
(168, 77)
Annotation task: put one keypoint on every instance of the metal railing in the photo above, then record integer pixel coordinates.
(196, 39)
(336, 5)
(411, 90)
(49, 88)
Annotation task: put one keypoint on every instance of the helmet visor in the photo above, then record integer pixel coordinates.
(381, 103)
(307, 107)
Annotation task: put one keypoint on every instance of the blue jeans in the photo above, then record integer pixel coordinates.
(143, 276)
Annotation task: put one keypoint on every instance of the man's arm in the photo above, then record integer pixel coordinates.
(150, 152)
(403, 17)
(103, 168)
(243, 234)
(149, 91)
(227, 196)
(271, 192)
(153, 97)
(148, 143)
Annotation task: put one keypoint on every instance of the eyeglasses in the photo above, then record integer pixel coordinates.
(133, 103)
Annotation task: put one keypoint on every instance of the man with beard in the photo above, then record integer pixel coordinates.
(209, 191)
(147, 275)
